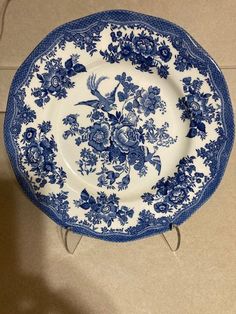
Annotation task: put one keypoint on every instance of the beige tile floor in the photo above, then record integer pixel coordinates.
(38, 276)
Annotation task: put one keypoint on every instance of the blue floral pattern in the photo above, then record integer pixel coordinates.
(143, 50)
(24, 114)
(209, 153)
(59, 202)
(39, 152)
(122, 135)
(184, 60)
(57, 79)
(197, 107)
(117, 137)
(103, 209)
(175, 190)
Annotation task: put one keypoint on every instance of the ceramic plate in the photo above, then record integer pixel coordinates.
(119, 125)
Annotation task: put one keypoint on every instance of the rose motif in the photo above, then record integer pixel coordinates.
(177, 195)
(33, 155)
(99, 136)
(144, 45)
(125, 137)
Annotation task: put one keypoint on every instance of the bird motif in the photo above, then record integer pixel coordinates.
(107, 102)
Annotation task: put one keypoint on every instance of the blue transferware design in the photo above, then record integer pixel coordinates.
(144, 50)
(173, 191)
(197, 108)
(57, 79)
(59, 203)
(103, 208)
(38, 152)
(118, 138)
(119, 125)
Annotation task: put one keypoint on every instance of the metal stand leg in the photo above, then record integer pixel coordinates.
(70, 239)
(178, 238)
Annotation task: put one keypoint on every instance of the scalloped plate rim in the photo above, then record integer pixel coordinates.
(155, 23)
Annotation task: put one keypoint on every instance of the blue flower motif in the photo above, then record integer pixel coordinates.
(29, 135)
(49, 166)
(99, 136)
(45, 127)
(196, 107)
(174, 191)
(209, 153)
(163, 71)
(116, 140)
(87, 161)
(123, 184)
(39, 154)
(96, 115)
(177, 195)
(146, 218)
(181, 177)
(164, 53)
(148, 198)
(150, 101)
(144, 45)
(26, 115)
(103, 209)
(106, 211)
(71, 119)
(59, 202)
(57, 79)
(183, 61)
(125, 137)
(140, 48)
(126, 51)
(33, 155)
(116, 154)
(161, 207)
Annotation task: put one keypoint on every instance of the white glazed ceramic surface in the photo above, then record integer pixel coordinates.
(117, 125)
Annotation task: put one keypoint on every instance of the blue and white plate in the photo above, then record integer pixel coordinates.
(119, 125)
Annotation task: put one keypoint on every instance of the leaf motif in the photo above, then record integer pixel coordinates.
(84, 195)
(112, 118)
(92, 200)
(121, 96)
(201, 126)
(85, 205)
(78, 68)
(192, 133)
(193, 123)
(40, 77)
(69, 64)
(157, 163)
